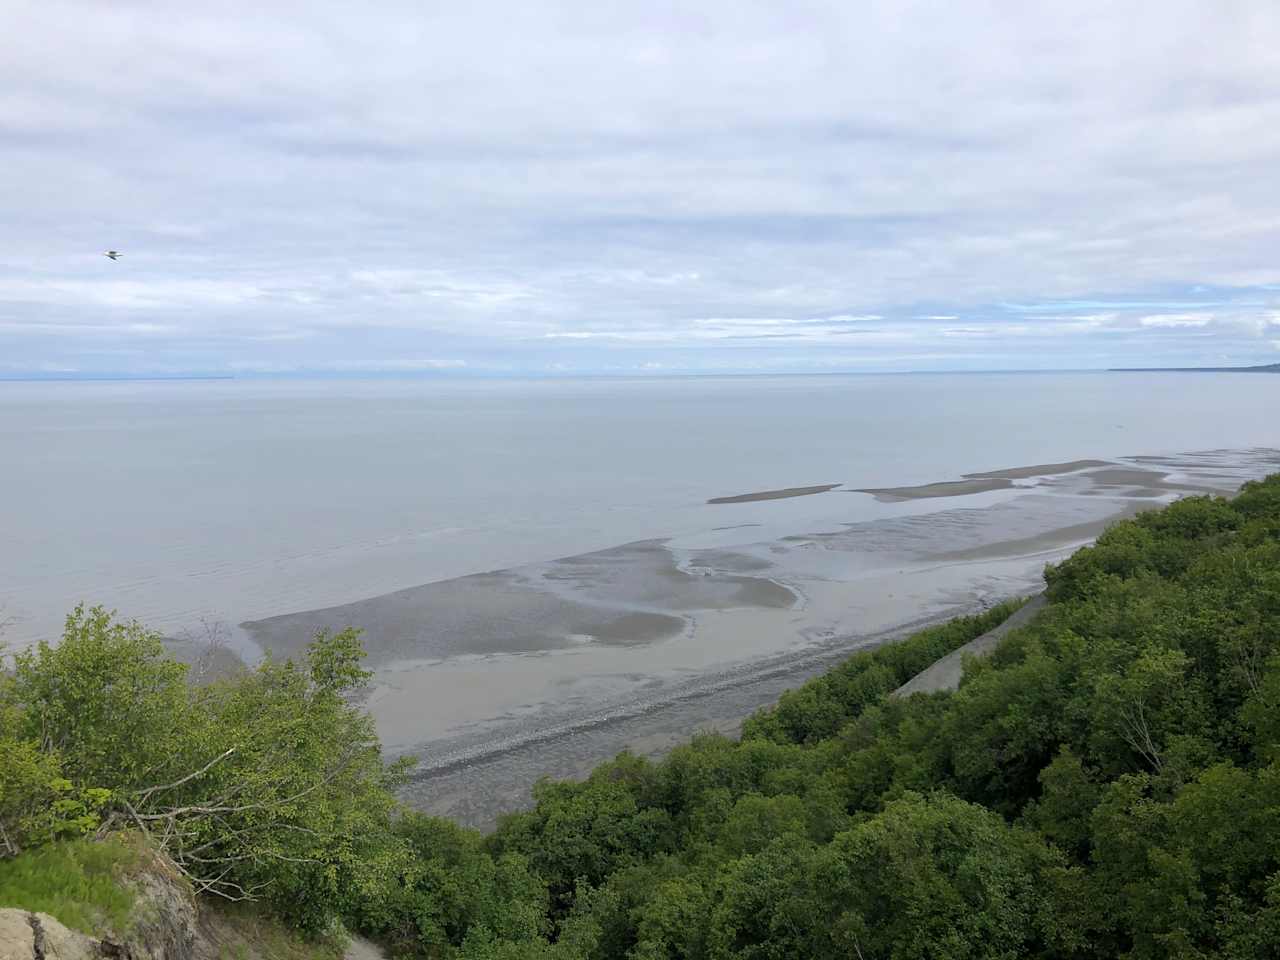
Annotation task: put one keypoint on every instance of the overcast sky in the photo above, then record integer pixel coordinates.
(635, 187)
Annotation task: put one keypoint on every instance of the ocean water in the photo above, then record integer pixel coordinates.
(176, 502)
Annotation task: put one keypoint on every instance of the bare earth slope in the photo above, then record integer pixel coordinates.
(945, 674)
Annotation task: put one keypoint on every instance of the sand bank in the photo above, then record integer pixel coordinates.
(783, 494)
(1040, 470)
(1086, 477)
(1072, 535)
(634, 594)
(927, 491)
(981, 482)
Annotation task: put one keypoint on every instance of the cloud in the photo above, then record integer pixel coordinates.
(726, 186)
(1177, 320)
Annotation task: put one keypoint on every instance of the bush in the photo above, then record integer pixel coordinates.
(270, 784)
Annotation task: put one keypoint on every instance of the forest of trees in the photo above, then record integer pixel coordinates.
(1105, 784)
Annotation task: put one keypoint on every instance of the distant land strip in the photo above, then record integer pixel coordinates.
(1262, 368)
(978, 482)
(776, 494)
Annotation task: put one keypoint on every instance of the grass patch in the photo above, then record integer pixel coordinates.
(242, 931)
(76, 882)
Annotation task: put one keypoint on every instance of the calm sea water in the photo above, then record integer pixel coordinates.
(233, 500)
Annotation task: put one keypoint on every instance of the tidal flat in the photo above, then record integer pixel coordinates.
(546, 669)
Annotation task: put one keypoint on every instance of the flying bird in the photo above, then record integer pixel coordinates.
(113, 254)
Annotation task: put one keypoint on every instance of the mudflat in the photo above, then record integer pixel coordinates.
(546, 669)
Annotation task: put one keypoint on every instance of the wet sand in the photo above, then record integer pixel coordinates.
(980, 482)
(476, 792)
(928, 491)
(1147, 483)
(1040, 470)
(1045, 542)
(497, 679)
(1132, 481)
(783, 494)
(634, 594)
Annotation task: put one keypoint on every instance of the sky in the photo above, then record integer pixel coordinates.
(541, 188)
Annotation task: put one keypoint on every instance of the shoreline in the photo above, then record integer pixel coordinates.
(476, 791)
(547, 669)
(493, 772)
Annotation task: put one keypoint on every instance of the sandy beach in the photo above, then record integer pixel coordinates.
(496, 679)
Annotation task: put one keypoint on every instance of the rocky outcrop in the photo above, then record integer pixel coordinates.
(37, 936)
(163, 926)
(165, 919)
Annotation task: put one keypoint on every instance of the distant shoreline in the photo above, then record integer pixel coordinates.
(1261, 368)
(109, 379)
(481, 376)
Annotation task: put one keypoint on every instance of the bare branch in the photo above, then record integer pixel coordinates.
(187, 779)
(1137, 733)
(246, 807)
(8, 844)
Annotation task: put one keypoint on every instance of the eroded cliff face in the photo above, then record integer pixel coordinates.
(163, 926)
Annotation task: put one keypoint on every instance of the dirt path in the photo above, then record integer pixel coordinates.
(362, 949)
(945, 674)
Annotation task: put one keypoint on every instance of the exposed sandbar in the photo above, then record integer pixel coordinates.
(946, 488)
(629, 595)
(1103, 476)
(1150, 483)
(1054, 539)
(1038, 470)
(488, 613)
(782, 494)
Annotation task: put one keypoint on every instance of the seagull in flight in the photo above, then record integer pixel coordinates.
(113, 254)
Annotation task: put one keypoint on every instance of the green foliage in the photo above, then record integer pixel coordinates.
(926, 878)
(455, 891)
(308, 824)
(106, 699)
(37, 803)
(269, 784)
(76, 881)
(817, 710)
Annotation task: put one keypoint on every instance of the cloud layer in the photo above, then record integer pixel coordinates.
(548, 187)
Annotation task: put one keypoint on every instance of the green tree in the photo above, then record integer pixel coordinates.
(106, 699)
